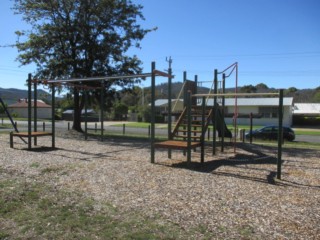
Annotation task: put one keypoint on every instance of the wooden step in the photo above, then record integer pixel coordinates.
(185, 136)
(174, 144)
(192, 131)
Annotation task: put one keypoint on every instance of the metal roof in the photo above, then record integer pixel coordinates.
(306, 108)
(287, 101)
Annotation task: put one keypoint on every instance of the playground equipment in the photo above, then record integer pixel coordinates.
(194, 120)
(79, 83)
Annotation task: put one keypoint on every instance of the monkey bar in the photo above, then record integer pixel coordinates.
(71, 82)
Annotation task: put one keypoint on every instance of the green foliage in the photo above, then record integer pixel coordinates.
(1, 109)
(261, 86)
(248, 89)
(80, 38)
(119, 110)
(316, 96)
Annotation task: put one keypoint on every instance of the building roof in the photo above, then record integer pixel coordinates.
(23, 103)
(287, 101)
(164, 102)
(306, 108)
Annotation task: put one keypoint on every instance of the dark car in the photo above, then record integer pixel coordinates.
(271, 133)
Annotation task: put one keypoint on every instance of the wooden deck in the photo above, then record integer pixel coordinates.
(173, 144)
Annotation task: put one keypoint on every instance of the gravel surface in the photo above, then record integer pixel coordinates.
(232, 195)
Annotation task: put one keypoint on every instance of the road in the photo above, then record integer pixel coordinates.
(109, 127)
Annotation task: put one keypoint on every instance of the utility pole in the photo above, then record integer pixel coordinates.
(169, 60)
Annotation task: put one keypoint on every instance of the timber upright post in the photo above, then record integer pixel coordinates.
(29, 111)
(215, 112)
(153, 83)
(189, 127)
(202, 127)
(169, 104)
(53, 110)
(35, 110)
(85, 114)
(280, 134)
(222, 110)
(101, 108)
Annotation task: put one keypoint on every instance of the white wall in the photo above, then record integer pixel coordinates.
(287, 117)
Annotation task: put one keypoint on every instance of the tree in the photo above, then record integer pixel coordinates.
(261, 86)
(81, 38)
(120, 110)
(248, 89)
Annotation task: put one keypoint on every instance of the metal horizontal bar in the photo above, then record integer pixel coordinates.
(234, 94)
(97, 78)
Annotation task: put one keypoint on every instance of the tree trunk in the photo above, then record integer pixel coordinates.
(77, 112)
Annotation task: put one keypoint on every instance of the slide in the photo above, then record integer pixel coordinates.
(222, 125)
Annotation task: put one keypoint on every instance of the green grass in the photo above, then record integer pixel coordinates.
(140, 125)
(35, 211)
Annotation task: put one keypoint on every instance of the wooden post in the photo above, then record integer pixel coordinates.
(203, 128)
(85, 115)
(189, 128)
(280, 135)
(215, 105)
(251, 117)
(169, 105)
(222, 111)
(35, 111)
(153, 98)
(53, 122)
(29, 111)
(101, 108)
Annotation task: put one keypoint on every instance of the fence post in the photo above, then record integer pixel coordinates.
(44, 126)
(68, 126)
(124, 129)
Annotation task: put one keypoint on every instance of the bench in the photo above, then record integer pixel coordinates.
(26, 135)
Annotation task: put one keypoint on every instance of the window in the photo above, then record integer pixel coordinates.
(268, 112)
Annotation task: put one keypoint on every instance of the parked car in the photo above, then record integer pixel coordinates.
(271, 133)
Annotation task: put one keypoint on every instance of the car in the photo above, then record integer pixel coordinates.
(271, 133)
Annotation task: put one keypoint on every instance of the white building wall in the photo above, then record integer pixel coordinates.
(287, 117)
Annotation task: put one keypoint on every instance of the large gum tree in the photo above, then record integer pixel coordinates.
(81, 38)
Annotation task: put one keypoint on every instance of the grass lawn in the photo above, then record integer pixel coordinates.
(247, 128)
(36, 211)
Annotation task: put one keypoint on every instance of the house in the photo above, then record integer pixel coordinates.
(264, 110)
(161, 108)
(306, 114)
(20, 109)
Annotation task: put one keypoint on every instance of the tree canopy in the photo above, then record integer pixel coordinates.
(81, 38)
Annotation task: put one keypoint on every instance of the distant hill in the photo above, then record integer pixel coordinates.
(299, 95)
(11, 95)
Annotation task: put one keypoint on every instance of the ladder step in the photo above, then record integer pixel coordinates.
(193, 131)
(185, 137)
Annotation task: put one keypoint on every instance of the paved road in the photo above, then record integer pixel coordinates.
(307, 138)
(63, 125)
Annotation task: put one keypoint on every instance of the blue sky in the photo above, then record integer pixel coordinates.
(275, 42)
